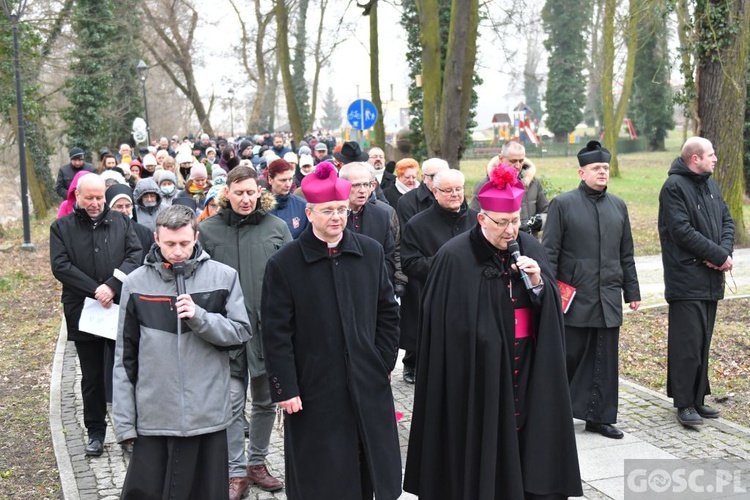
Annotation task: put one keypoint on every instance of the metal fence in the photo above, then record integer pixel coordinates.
(485, 149)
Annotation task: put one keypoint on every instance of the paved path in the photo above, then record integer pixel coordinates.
(646, 417)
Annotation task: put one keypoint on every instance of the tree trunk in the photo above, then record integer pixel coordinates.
(261, 87)
(432, 74)
(457, 84)
(722, 85)
(687, 65)
(41, 202)
(613, 116)
(375, 76)
(447, 100)
(284, 60)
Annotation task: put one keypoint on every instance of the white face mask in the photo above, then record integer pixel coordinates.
(167, 190)
(149, 204)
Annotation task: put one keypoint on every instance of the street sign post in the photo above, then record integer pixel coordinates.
(362, 115)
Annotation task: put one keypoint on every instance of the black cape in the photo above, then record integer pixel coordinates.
(463, 442)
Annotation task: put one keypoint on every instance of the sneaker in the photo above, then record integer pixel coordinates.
(258, 474)
(238, 487)
(688, 416)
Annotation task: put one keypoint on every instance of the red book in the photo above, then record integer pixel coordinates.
(567, 293)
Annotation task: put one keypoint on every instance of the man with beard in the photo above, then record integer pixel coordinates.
(243, 235)
(91, 252)
(376, 158)
(590, 247)
(330, 353)
(492, 416)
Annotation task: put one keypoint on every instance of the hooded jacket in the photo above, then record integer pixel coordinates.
(143, 214)
(167, 384)
(69, 204)
(694, 226)
(245, 244)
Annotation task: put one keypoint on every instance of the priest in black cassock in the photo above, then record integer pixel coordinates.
(492, 416)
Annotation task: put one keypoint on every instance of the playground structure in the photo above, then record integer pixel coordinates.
(515, 125)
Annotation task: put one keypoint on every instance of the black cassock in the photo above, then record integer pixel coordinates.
(492, 416)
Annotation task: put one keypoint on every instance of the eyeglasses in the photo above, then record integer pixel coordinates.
(504, 223)
(451, 191)
(428, 175)
(361, 185)
(328, 212)
(374, 157)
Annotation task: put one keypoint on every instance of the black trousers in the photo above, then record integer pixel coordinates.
(96, 357)
(591, 359)
(691, 326)
(180, 468)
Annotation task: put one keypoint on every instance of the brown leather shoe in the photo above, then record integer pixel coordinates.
(238, 487)
(258, 474)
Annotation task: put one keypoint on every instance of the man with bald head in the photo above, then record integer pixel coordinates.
(376, 158)
(696, 232)
(91, 252)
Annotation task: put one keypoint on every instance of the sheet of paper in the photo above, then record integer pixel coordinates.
(99, 321)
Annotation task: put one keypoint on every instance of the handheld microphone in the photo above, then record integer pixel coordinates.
(178, 269)
(515, 252)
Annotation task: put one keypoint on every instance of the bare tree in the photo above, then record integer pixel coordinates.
(173, 22)
(335, 33)
(284, 59)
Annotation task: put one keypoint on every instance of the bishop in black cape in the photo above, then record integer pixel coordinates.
(464, 441)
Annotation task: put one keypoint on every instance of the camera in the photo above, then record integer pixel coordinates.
(534, 223)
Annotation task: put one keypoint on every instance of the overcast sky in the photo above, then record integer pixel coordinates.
(350, 65)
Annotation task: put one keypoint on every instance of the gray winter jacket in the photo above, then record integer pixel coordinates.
(147, 215)
(176, 385)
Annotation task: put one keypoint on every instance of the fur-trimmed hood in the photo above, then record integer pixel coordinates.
(267, 201)
(528, 172)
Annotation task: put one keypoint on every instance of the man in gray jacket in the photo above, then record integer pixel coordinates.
(243, 235)
(180, 313)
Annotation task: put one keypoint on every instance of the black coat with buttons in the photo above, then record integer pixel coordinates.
(330, 335)
(84, 254)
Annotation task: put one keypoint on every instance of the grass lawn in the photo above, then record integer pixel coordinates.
(641, 178)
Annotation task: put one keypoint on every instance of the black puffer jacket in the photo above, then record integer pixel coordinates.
(694, 226)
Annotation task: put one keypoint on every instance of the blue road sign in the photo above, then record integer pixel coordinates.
(362, 114)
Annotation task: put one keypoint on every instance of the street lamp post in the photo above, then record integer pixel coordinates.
(142, 70)
(21, 135)
(231, 110)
